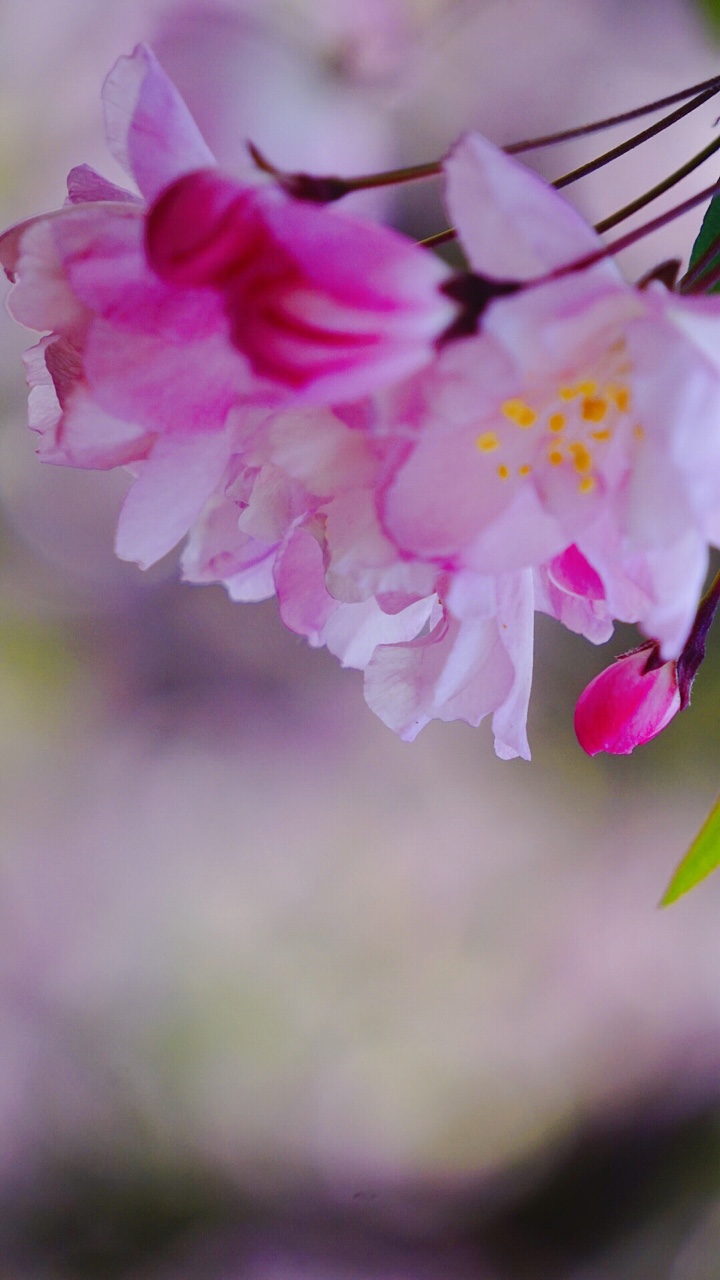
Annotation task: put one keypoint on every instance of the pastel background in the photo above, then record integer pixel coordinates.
(282, 998)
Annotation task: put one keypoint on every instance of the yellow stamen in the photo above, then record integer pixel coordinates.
(585, 388)
(519, 412)
(525, 469)
(487, 442)
(503, 471)
(594, 408)
(603, 433)
(555, 457)
(587, 484)
(556, 422)
(620, 397)
(582, 457)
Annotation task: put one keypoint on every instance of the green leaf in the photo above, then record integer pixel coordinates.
(709, 232)
(702, 857)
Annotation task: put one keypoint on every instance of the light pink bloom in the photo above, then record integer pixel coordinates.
(300, 521)
(628, 703)
(465, 667)
(570, 420)
(143, 371)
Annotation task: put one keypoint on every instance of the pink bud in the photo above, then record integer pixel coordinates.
(627, 704)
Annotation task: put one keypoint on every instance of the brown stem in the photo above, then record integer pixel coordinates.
(630, 237)
(637, 139)
(635, 205)
(583, 130)
(326, 188)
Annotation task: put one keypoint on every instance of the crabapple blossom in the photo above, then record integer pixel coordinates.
(300, 521)
(322, 304)
(312, 399)
(570, 420)
(143, 371)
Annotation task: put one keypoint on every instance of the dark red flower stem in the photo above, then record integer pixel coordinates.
(661, 187)
(694, 652)
(476, 297)
(323, 189)
(637, 139)
(630, 237)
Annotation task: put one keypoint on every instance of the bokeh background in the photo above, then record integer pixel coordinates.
(282, 998)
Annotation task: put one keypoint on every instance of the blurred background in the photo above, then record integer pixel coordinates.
(282, 998)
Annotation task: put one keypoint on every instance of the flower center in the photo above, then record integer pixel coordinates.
(570, 431)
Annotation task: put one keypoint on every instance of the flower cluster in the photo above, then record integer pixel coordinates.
(307, 397)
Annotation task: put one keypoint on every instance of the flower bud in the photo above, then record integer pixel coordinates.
(628, 703)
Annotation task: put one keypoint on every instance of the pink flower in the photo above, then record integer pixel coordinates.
(569, 420)
(152, 372)
(628, 703)
(297, 517)
(464, 667)
(326, 305)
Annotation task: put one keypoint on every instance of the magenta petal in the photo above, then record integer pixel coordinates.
(148, 128)
(569, 589)
(627, 705)
(328, 306)
(203, 229)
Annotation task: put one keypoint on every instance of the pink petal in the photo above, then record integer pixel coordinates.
(512, 224)
(514, 620)
(351, 631)
(218, 551)
(305, 604)
(171, 388)
(148, 128)
(460, 671)
(74, 431)
(85, 184)
(354, 631)
(172, 487)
